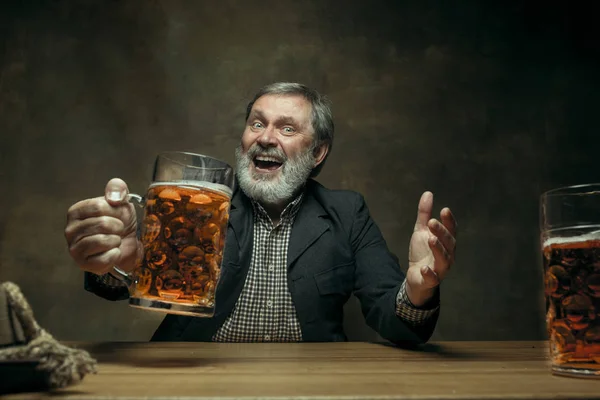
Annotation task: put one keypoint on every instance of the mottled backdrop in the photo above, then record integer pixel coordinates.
(487, 104)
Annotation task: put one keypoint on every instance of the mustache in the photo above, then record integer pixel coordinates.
(256, 150)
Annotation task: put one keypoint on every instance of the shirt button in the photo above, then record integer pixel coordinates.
(267, 338)
(271, 268)
(269, 303)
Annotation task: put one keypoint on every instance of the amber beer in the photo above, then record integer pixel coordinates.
(183, 235)
(572, 287)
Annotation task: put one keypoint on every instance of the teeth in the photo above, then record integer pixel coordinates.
(272, 159)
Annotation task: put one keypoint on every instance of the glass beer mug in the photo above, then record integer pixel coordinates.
(186, 211)
(570, 239)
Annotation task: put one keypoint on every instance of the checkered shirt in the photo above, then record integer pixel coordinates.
(406, 311)
(264, 311)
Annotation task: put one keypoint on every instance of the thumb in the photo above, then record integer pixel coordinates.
(424, 211)
(116, 192)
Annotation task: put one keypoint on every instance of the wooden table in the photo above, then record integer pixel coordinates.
(448, 370)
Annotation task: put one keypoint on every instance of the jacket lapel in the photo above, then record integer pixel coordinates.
(239, 253)
(240, 219)
(309, 225)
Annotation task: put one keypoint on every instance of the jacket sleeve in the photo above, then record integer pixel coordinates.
(378, 279)
(105, 286)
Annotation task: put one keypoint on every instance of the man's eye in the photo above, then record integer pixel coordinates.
(257, 125)
(288, 130)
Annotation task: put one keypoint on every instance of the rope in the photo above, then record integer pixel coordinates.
(63, 365)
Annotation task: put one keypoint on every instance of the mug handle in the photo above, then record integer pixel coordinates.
(121, 275)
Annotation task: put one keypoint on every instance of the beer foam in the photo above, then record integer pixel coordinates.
(215, 187)
(595, 235)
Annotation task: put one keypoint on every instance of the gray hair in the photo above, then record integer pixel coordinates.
(322, 118)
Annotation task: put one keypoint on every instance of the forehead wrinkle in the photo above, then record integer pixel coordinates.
(284, 119)
(254, 113)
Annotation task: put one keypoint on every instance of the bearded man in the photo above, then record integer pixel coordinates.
(295, 250)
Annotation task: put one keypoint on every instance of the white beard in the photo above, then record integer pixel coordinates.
(265, 188)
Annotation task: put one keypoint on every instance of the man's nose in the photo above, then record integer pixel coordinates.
(268, 138)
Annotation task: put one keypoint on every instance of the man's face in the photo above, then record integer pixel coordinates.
(276, 154)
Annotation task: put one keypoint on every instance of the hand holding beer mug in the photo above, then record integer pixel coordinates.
(186, 211)
(570, 237)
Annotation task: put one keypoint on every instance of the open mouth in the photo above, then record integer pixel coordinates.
(265, 163)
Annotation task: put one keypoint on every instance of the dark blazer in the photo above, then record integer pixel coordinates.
(335, 249)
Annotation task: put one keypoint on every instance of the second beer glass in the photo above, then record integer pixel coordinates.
(570, 238)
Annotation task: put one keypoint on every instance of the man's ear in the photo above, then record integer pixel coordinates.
(320, 152)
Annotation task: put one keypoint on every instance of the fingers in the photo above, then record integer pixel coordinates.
(96, 253)
(443, 258)
(99, 207)
(78, 229)
(91, 246)
(116, 192)
(438, 249)
(448, 241)
(430, 278)
(449, 221)
(424, 211)
(95, 228)
(102, 263)
(441, 240)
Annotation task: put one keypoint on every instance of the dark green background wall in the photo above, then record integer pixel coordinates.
(487, 104)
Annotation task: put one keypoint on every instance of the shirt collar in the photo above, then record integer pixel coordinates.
(288, 213)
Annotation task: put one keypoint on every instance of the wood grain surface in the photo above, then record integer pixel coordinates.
(444, 370)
